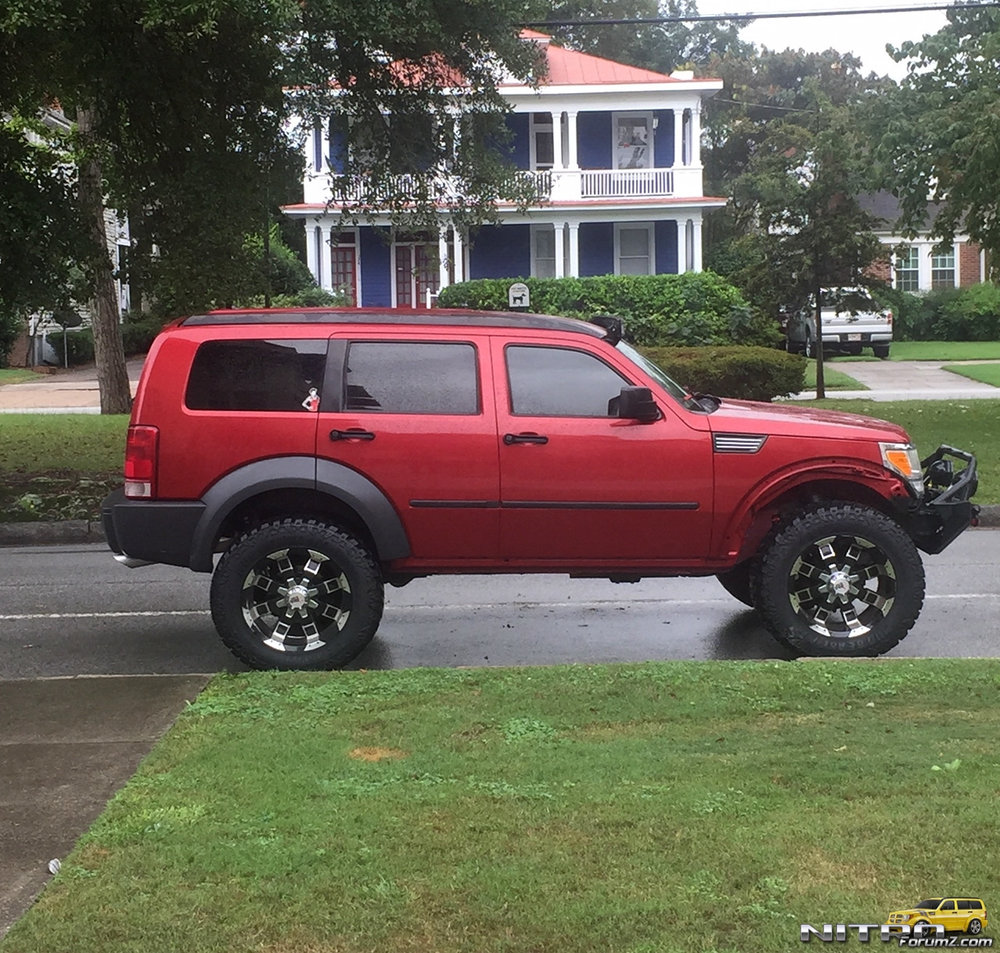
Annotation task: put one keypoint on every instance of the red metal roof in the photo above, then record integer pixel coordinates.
(570, 68)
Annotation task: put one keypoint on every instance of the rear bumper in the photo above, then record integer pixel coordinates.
(150, 531)
(946, 510)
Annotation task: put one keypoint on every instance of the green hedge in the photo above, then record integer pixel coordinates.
(746, 373)
(946, 314)
(659, 310)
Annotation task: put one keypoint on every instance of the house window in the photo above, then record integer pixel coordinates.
(633, 140)
(543, 251)
(543, 155)
(317, 144)
(908, 268)
(344, 270)
(417, 274)
(943, 270)
(634, 249)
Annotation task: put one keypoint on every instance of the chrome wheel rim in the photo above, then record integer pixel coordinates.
(842, 586)
(295, 599)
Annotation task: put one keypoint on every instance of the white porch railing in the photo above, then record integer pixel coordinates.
(626, 183)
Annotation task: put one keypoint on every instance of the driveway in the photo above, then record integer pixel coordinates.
(909, 380)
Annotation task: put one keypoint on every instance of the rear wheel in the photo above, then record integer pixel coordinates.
(975, 927)
(881, 350)
(296, 594)
(840, 579)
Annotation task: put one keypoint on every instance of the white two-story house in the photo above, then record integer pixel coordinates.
(616, 152)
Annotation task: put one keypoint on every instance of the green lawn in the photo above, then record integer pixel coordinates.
(833, 378)
(14, 375)
(674, 806)
(987, 373)
(58, 466)
(936, 351)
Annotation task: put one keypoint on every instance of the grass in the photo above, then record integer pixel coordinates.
(987, 373)
(833, 379)
(14, 375)
(58, 466)
(938, 351)
(668, 806)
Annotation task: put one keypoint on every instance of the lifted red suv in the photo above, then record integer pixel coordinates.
(324, 453)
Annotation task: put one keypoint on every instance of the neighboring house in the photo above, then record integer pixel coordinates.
(616, 151)
(916, 264)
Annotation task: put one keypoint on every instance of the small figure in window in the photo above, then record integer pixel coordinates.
(311, 403)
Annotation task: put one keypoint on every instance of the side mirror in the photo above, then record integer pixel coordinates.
(634, 403)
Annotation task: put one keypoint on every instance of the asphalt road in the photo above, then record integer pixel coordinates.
(72, 610)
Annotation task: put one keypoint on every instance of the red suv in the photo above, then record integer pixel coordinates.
(324, 453)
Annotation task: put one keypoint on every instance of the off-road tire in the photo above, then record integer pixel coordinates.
(839, 579)
(296, 594)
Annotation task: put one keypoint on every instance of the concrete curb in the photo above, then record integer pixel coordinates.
(85, 531)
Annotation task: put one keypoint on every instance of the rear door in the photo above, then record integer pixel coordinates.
(409, 412)
(579, 486)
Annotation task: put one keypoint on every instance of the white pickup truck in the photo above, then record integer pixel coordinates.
(851, 320)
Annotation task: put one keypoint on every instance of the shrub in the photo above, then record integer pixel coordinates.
(659, 310)
(10, 327)
(80, 344)
(946, 314)
(745, 373)
(138, 331)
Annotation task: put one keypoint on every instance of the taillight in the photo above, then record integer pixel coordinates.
(140, 462)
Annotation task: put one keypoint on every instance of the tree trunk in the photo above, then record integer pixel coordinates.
(109, 352)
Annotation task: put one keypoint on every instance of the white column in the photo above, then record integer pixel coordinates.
(696, 135)
(572, 158)
(574, 249)
(312, 255)
(325, 263)
(443, 256)
(697, 264)
(459, 256)
(678, 137)
(560, 250)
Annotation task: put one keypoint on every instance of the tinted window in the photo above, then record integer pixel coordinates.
(948, 905)
(411, 378)
(963, 904)
(256, 375)
(560, 382)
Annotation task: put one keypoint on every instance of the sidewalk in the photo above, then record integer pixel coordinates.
(66, 746)
(71, 391)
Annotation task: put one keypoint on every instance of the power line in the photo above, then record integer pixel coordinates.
(739, 17)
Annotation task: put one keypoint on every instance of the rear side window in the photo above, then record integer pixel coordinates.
(422, 377)
(257, 375)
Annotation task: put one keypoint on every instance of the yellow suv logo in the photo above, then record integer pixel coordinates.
(955, 914)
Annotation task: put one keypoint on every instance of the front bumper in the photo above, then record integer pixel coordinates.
(946, 510)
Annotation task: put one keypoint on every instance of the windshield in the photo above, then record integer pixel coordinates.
(668, 384)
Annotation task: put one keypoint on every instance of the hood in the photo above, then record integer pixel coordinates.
(745, 416)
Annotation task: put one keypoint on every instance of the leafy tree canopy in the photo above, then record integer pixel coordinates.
(940, 132)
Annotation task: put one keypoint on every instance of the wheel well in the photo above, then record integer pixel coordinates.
(299, 503)
(796, 498)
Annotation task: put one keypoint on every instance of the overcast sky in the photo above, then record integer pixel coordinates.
(865, 35)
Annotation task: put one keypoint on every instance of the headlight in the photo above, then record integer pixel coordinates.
(902, 458)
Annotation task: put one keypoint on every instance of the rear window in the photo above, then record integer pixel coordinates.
(257, 376)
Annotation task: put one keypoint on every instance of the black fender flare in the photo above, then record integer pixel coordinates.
(283, 473)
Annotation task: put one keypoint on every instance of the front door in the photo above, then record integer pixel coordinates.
(577, 484)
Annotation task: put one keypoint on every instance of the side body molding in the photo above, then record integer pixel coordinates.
(289, 473)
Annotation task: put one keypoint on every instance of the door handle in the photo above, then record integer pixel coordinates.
(509, 438)
(357, 434)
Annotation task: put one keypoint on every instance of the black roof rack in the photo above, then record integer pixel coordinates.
(441, 317)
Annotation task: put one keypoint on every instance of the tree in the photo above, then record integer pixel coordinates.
(940, 132)
(662, 47)
(182, 120)
(802, 226)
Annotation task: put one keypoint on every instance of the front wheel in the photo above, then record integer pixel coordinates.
(296, 594)
(840, 579)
